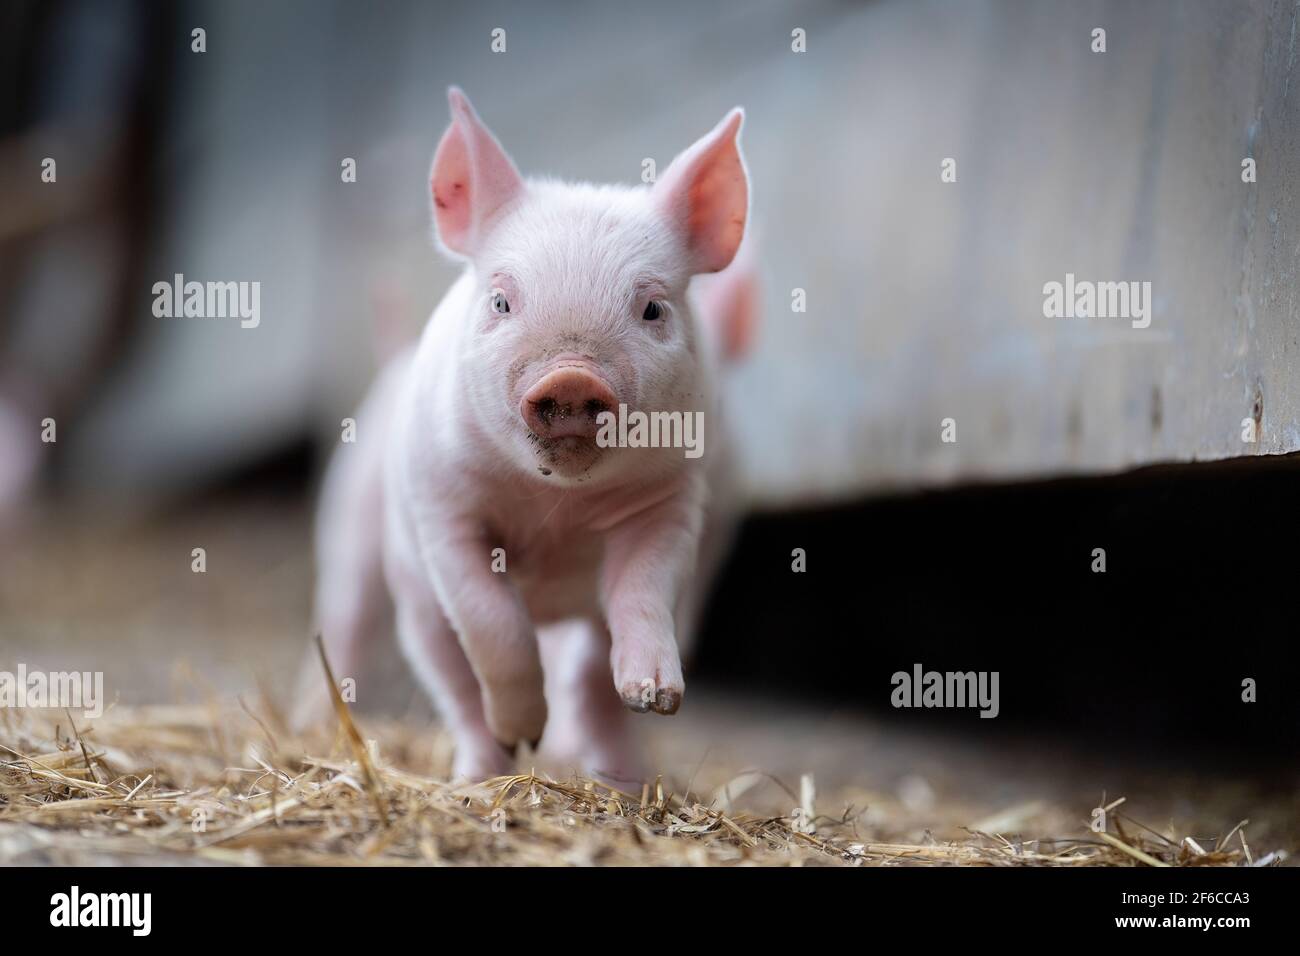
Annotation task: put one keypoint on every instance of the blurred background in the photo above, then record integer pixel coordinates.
(924, 301)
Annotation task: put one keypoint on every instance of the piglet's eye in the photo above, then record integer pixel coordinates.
(653, 310)
(499, 303)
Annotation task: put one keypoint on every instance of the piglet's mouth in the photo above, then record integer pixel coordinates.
(570, 456)
(565, 444)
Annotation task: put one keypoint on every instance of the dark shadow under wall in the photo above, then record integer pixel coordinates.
(1199, 593)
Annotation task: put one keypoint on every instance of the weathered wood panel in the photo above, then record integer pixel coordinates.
(924, 298)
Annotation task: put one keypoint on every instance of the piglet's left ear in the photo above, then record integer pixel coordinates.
(705, 192)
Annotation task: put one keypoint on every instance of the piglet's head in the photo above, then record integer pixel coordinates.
(579, 310)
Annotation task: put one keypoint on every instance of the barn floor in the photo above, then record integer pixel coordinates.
(191, 761)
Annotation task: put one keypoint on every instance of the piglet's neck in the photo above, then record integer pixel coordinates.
(598, 508)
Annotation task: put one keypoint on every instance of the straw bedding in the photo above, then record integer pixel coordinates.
(225, 784)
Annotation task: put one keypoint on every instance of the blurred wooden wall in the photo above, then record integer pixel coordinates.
(924, 299)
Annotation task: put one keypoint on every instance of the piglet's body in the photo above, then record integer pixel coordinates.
(541, 579)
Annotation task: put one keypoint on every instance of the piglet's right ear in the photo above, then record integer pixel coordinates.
(472, 178)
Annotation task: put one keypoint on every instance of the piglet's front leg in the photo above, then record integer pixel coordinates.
(648, 559)
(495, 632)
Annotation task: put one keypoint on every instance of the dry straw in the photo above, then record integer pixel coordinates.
(225, 784)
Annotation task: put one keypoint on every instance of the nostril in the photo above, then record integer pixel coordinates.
(595, 406)
(545, 408)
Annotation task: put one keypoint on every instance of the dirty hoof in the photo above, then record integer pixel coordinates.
(636, 700)
(667, 701)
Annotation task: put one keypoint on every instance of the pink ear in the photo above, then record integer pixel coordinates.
(705, 191)
(730, 302)
(472, 178)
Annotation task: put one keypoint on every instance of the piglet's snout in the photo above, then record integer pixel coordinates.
(564, 403)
